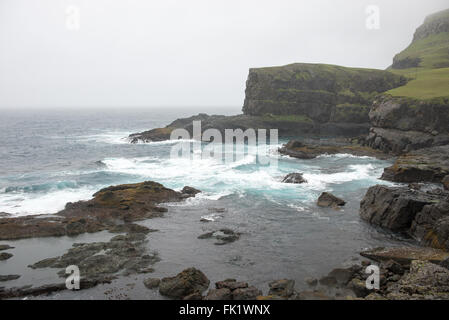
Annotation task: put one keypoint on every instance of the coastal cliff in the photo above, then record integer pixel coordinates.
(322, 93)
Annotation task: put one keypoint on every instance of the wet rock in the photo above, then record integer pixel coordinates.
(312, 282)
(358, 287)
(250, 293)
(399, 208)
(190, 191)
(328, 281)
(283, 288)
(445, 182)
(394, 267)
(425, 280)
(5, 247)
(405, 255)
(110, 207)
(445, 263)
(231, 284)
(329, 200)
(297, 149)
(185, 283)
(151, 283)
(219, 294)
(342, 276)
(5, 256)
(313, 295)
(194, 296)
(424, 165)
(295, 178)
(9, 277)
(224, 236)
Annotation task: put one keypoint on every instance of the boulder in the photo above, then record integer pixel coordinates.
(151, 283)
(223, 236)
(219, 294)
(5, 256)
(9, 277)
(231, 284)
(190, 191)
(358, 286)
(250, 293)
(183, 284)
(296, 178)
(329, 200)
(282, 288)
(5, 247)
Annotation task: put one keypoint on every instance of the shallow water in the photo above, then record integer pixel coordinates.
(52, 158)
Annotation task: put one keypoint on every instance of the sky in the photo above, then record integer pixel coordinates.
(142, 53)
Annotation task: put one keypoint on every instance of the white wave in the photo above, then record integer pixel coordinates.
(22, 204)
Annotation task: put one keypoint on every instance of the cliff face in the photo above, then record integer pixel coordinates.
(323, 93)
(416, 115)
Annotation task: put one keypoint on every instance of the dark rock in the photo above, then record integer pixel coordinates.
(358, 287)
(224, 236)
(190, 191)
(5, 256)
(231, 284)
(342, 276)
(405, 255)
(296, 178)
(250, 293)
(394, 267)
(5, 247)
(151, 283)
(445, 182)
(9, 277)
(185, 283)
(219, 294)
(328, 281)
(424, 165)
(282, 288)
(425, 280)
(313, 295)
(329, 200)
(196, 296)
(110, 209)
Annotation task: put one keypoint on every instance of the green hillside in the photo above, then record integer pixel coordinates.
(426, 60)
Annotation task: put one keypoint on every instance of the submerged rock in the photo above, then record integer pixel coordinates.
(9, 277)
(5, 247)
(296, 178)
(187, 282)
(282, 288)
(224, 236)
(190, 191)
(329, 200)
(5, 256)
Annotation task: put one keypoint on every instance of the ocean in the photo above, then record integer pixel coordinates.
(51, 157)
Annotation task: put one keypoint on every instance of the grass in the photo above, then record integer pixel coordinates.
(427, 84)
(430, 78)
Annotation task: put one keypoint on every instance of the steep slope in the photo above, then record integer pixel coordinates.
(416, 115)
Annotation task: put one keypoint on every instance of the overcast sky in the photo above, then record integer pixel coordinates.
(186, 52)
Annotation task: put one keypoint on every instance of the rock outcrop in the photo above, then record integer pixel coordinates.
(401, 125)
(328, 200)
(295, 178)
(424, 165)
(113, 208)
(424, 215)
(188, 282)
(323, 93)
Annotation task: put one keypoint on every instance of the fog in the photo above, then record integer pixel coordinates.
(130, 53)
